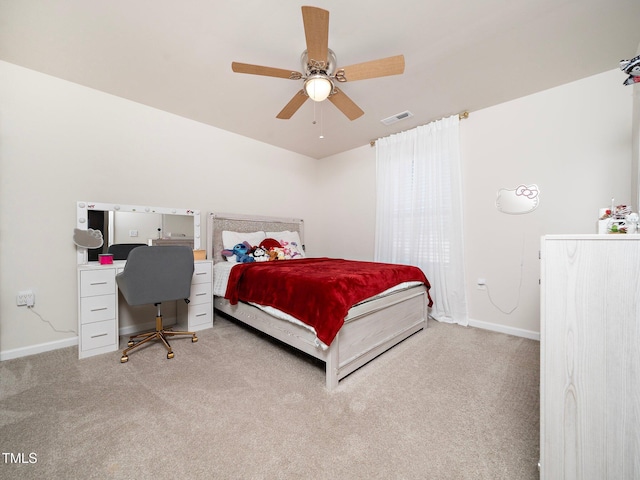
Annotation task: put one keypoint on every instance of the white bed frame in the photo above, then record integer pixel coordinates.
(369, 329)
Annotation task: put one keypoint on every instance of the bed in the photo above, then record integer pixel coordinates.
(368, 329)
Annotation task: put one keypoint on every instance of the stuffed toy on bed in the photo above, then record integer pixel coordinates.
(269, 243)
(260, 254)
(241, 251)
(631, 67)
(273, 249)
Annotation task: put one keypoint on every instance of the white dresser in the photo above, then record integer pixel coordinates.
(98, 305)
(590, 357)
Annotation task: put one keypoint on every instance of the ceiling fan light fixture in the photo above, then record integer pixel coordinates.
(319, 69)
(318, 87)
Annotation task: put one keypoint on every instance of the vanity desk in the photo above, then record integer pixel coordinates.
(98, 324)
(98, 318)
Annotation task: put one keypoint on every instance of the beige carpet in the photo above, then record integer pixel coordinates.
(447, 403)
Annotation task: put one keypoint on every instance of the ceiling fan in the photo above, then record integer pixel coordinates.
(320, 74)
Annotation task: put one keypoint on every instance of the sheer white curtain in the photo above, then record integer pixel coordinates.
(419, 211)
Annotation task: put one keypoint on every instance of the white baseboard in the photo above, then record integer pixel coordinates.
(70, 342)
(40, 348)
(143, 327)
(495, 327)
(131, 329)
(73, 341)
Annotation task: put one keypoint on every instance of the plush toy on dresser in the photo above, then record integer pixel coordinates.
(632, 68)
(617, 219)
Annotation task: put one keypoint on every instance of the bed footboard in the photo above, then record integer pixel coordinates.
(374, 327)
(369, 330)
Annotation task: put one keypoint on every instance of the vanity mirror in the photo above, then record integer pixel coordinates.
(137, 224)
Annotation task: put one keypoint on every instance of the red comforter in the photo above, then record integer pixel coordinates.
(316, 291)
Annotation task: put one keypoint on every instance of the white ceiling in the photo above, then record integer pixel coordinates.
(460, 55)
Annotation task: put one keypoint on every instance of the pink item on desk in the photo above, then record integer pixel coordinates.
(105, 258)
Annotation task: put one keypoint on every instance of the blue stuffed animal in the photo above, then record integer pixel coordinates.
(241, 251)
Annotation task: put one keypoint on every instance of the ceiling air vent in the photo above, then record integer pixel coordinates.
(397, 117)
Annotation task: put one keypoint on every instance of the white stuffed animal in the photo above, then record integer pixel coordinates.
(631, 67)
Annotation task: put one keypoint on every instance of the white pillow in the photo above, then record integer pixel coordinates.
(290, 241)
(231, 239)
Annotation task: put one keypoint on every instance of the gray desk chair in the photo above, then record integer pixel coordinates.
(156, 275)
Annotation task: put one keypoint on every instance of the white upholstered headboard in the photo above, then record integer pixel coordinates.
(217, 222)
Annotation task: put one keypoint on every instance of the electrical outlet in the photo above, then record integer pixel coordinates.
(26, 297)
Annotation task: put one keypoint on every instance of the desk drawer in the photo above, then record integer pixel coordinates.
(99, 334)
(98, 308)
(201, 273)
(97, 282)
(200, 314)
(200, 293)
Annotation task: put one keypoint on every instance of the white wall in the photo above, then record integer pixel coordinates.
(573, 141)
(61, 142)
(346, 221)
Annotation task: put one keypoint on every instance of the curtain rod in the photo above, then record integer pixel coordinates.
(461, 116)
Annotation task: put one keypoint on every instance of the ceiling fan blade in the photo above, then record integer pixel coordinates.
(316, 31)
(266, 71)
(372, 69)
(292, 107)
(346, 105)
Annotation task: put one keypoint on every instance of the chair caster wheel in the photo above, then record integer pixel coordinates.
(124, 359)
(194, 339)
(170, 355)
(130, 343)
